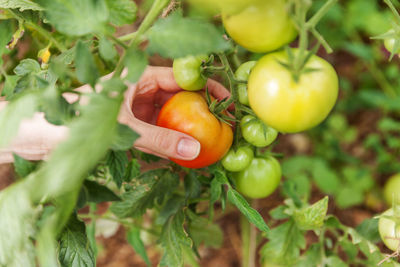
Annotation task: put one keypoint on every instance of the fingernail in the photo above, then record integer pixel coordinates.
(188, 148)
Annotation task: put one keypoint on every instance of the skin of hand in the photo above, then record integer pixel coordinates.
(143, 101)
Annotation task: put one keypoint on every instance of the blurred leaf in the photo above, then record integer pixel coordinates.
(132, 171)
(9, 85)
(173, 237)
(325, 177)
(311, 257)
(117, 161)
(192, 185)
(76, 17)
(284, 245)
(133, 238)
(122, 11)
(98, 193)
(150, 187)
(279, 213)
(125, 138)
(86, 69)
(201, 230)
(23, 167)
(369, 229)
(75, 248)
(136, 62)
(360, 50)
(20, 4)
(107, 50)
(27, 66)
(312, 217)
(349, 196)
(176, 37)
(335, 261)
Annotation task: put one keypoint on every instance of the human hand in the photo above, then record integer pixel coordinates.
(142, 104)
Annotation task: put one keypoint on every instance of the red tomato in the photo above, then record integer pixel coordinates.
(188, 112)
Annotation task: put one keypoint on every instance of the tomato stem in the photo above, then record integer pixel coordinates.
(394, 10)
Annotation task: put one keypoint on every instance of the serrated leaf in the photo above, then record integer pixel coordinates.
(20, 4)
(22, 166)
(192, 185)
(312, 217)
(86, 69)
(117, 161)
(76, 17)
(133, 170)
(285, 243)
(133, 238)
(122, 11)
(176, 36)
(124, 138)
(251, 214)
(75, 250)
(98, 193)
(136, 62)
(27, 66)
(173, 205)
(147, 189)
(201, 230)
(173, 237)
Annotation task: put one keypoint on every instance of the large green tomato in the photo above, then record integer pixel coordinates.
(187, 72)
(238, 160)
(388, 231)
(260, 26)
(391, 190)
(242, 74)
(256, 132)
(287, 105)
(259, 179)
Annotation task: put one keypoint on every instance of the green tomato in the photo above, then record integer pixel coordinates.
(187, 72)
(287, 105)
(389, 43)
(242, 74)
(259, 179)
(256, 132)
(259, 26)
(388, 231)
(391, 190)
(238, 160)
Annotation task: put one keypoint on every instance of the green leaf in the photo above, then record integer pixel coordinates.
(335, 261)
(173, 205)
(133, 170)
(312, 217)
(176, 36)
(122, 11)
(27, 66)
(349, 196)
(312, 257)
(20, 4)
(22, 166)
(107, 49)
(98, 193)
(369, 229)
(5, 35)
(9, 85)
(86, 69)
(192, 185)
(149, 187)
(325, 178)
(124, 139)
(251, 214)
(173, 237)
(117, 162)
(284, 245)
(133, 238)
(201, 230)
(136, 62)
(76, 17)
(75, 248)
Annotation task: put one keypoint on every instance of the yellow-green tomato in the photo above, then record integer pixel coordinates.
(259, 179)
(187, 72)
(242, 74)
(287, 105)
(388, 231)
(237, 160)
(390, 42)
(256, 132)
(391, 190)
(260, 26)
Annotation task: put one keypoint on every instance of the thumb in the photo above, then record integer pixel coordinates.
(165, 142)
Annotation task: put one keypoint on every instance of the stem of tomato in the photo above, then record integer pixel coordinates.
(151, 16)
(249, 239)
(394, 10)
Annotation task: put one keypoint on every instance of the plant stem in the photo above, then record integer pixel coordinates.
(249, 245)
(118, 41)
(320, 13)
(40, 30)
(151, 16)
(394, 10)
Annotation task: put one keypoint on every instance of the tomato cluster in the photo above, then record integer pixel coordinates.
(271, 97)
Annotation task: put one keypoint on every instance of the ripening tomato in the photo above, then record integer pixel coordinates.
(287, 105)
(259, 26)
(188, 112)
(388, 231)
(187, 72)
(242, 74)
(260, 178)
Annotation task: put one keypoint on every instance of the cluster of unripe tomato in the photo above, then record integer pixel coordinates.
(276, 100)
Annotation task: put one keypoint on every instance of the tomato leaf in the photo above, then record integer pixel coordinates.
(133, 238)
(176, 37)
(98, 193)
(124, 139)
(86, 69)
(122, 11)
(20, 4)
(106, 49)
(75, 249)
(117, 161)
(312, 217)
(23, 167)
(201, 230)
(136, 62)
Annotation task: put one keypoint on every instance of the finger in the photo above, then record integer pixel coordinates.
(219, 91)
(148, 151)
(166, 142)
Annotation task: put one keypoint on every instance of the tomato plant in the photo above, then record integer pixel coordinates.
(261, 26)
(391, 190)
(237, 160)
(188, 72)
(256, 132)
(288, 105)
(260, 178)
(242, 74)
(389, 230)
(188, 112)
